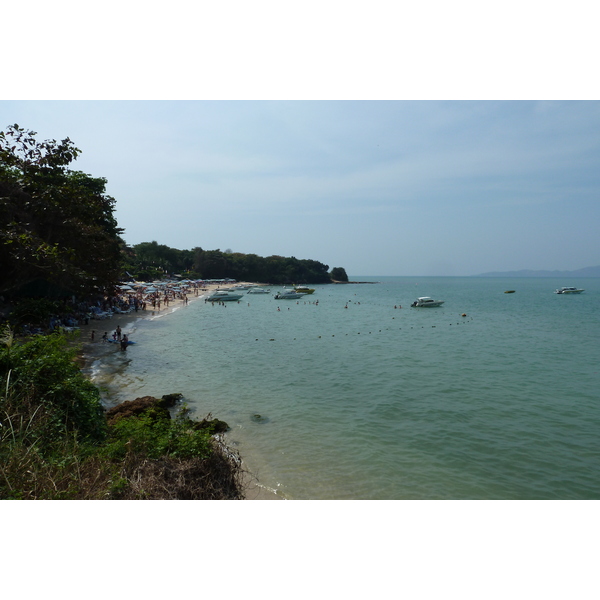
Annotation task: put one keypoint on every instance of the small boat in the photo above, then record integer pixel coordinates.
(258, 290)
(111, 341)
(289, 295)
(426, 301)
(223, 296)
(568, 290)
(509, 292)
(304, 289)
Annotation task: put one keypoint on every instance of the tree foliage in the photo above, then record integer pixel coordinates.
(150, 259)
(339, 274)
(57, 228)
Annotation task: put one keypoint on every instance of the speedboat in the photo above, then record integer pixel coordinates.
(258, 290)
(568, 290)
(223, 296)
(426, 301)
(289, 295)
(304, 289)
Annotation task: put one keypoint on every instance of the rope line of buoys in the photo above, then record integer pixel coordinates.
(318, 337)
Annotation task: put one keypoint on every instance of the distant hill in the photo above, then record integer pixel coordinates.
(585, 272)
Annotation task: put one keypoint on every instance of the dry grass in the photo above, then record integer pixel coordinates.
(27, 476)
(218, 477)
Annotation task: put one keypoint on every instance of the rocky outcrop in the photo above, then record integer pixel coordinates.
(158, 408)
(213, 426)
(146, 405)
(170, 400)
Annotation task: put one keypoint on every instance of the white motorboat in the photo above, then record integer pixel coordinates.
(289, 295)
(258, 290)
(223, 296)
(568, 290)
(426, 301)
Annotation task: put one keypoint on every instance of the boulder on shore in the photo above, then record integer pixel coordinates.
(146, 405)
(158, 408)
(170, 400)
(213, 426)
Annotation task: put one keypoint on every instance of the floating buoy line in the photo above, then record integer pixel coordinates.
(333, 335)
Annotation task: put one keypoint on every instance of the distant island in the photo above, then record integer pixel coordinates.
(585, 272)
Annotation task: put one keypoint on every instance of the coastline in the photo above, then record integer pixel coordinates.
(95, 350)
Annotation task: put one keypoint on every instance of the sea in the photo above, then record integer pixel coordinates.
(350, 393)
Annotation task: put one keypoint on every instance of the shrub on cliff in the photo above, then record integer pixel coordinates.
(55, 442)
(41, 378)
(156, 437)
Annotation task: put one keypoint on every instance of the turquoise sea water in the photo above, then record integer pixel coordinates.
(377, 402)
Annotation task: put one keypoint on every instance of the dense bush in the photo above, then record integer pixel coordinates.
(43, 371)
(157, 437)
(56, 443)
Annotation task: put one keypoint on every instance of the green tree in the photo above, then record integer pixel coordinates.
(339, 274)
(57, 226)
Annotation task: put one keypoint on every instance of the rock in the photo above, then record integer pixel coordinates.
(259, 418)
(170, 400)
(212, 425)
(146, 405)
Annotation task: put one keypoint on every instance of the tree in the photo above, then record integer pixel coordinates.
(339, 274)
(57, 228)
(150, 259)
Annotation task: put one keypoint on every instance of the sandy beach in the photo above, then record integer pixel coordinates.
(94, 348)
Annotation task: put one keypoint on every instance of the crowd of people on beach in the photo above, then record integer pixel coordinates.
(127, 298)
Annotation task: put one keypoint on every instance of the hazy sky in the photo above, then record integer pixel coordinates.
(378, 187)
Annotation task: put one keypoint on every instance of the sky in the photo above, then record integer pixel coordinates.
(377, 187)
(435, 139)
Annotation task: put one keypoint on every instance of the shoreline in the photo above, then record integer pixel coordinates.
(95, 350)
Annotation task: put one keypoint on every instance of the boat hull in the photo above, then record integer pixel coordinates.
(428, 305)
(225, 298)
(293, 296)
